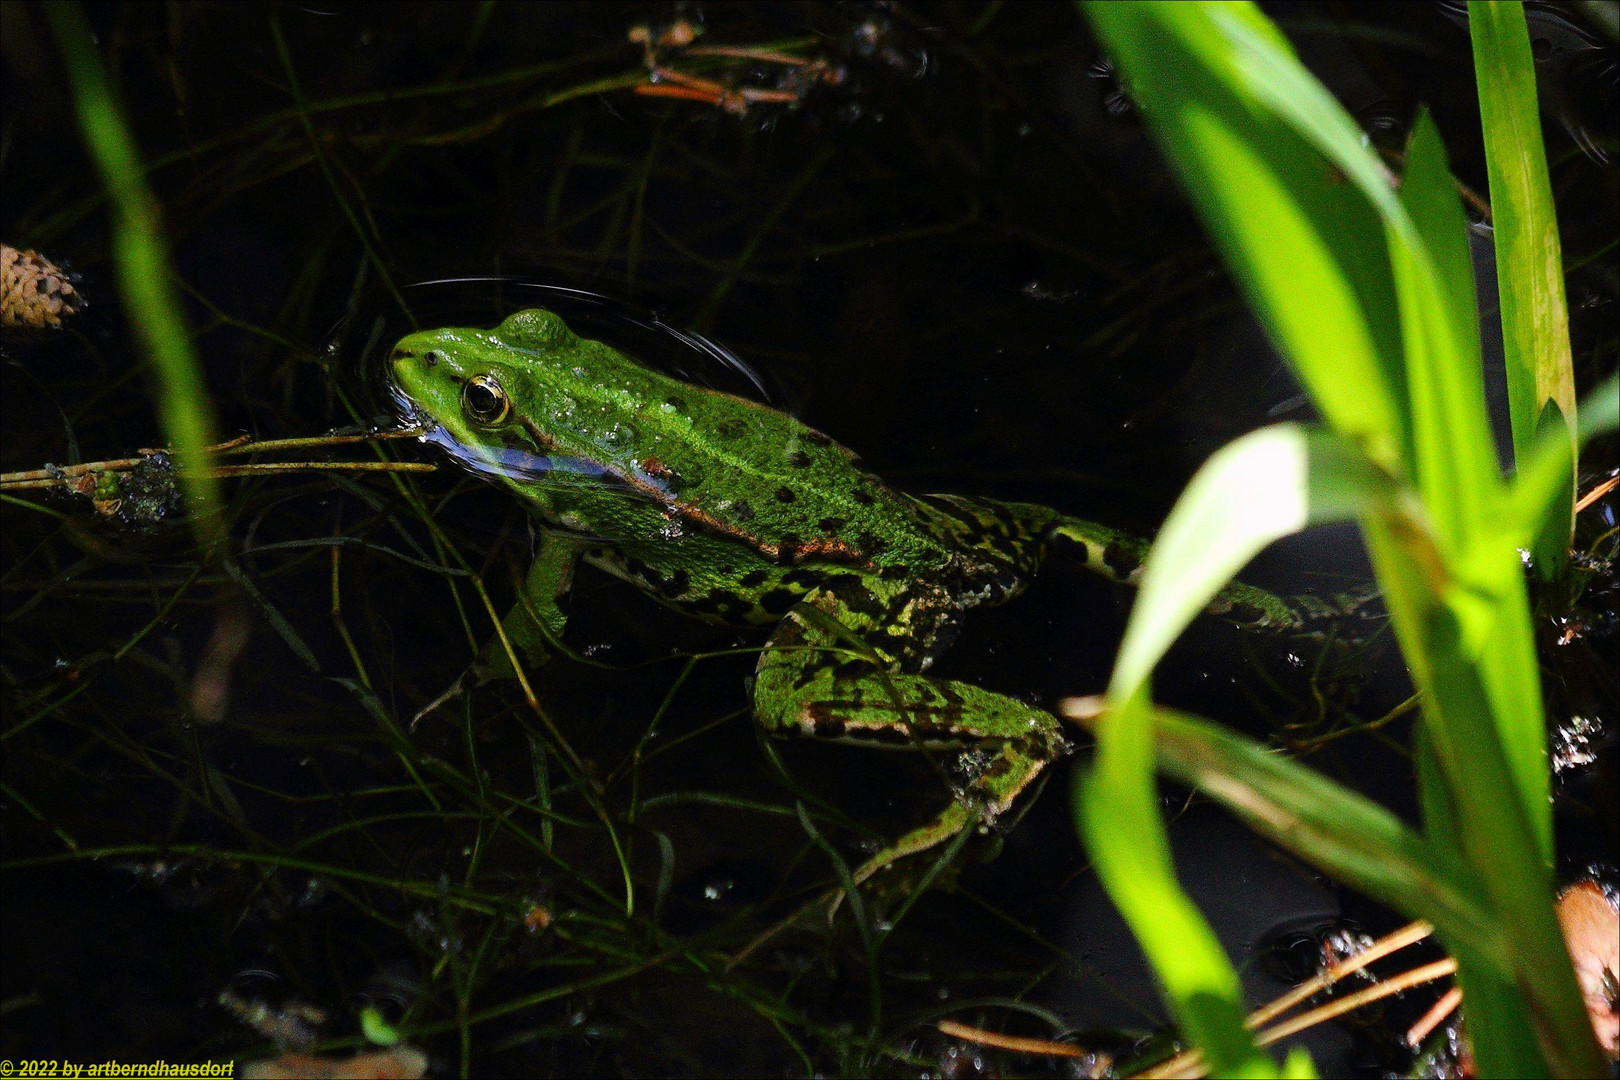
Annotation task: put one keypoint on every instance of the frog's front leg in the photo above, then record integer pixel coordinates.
(534, 621)
(844, 664)
(535, 624)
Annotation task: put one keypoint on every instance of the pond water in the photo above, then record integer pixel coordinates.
(937, 233)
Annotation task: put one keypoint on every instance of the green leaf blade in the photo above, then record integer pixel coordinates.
(145, 274)
(1529, 257)
(1454, 455)
(1344, 834)
(1266, 485)
(1118, 817)
(1301, 240)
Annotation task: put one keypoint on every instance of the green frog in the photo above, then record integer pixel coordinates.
(735, 513)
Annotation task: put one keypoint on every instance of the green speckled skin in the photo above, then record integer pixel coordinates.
(733, 512)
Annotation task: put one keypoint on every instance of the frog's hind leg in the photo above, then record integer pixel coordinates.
(997, 779)
(1119, 556)
(823, 675)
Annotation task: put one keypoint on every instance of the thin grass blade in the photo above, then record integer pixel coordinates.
(145, 273)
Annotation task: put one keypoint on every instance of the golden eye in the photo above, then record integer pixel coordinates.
(483, 400)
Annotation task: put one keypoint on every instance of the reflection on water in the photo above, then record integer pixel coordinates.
(473, 301)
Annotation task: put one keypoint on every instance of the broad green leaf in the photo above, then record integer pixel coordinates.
(1456, 470)
(1343, 833)
(1454, 465)
(1269, 484)
(1529, 259)
(1464, 782)
(1266, 485)
(1497, 1008)
(1365, 846)
(1119, 821)
(1302, 241)
(1368, 293)
(1440, 825)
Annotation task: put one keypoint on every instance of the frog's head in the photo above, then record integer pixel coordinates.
(529, 385)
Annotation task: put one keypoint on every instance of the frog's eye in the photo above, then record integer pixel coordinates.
(483, 400)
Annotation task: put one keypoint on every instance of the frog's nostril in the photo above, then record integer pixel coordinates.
(431, 358)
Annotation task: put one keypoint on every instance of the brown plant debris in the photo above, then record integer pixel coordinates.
(34, 292)
(1586, 911)
(398, 1063)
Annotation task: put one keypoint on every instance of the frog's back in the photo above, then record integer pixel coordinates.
(721, 506)
(707, 460)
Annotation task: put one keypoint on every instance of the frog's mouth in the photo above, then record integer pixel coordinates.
(520, 464)
(516, 463)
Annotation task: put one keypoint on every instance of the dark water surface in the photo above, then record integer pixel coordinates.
(956, 253)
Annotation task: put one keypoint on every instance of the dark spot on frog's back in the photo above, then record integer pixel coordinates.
(862, 496)
(741, 510)
(852, 669)
(823, 721)
(799, 459)
(752, 578)
(718, 602)
(669, 587)
(777, 601)
(1120, 559)
(831, 525)
(785, 495)
(1067, 546)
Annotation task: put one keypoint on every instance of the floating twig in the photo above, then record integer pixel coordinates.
(1190, 1063)
(665, 80)
(141, 490)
